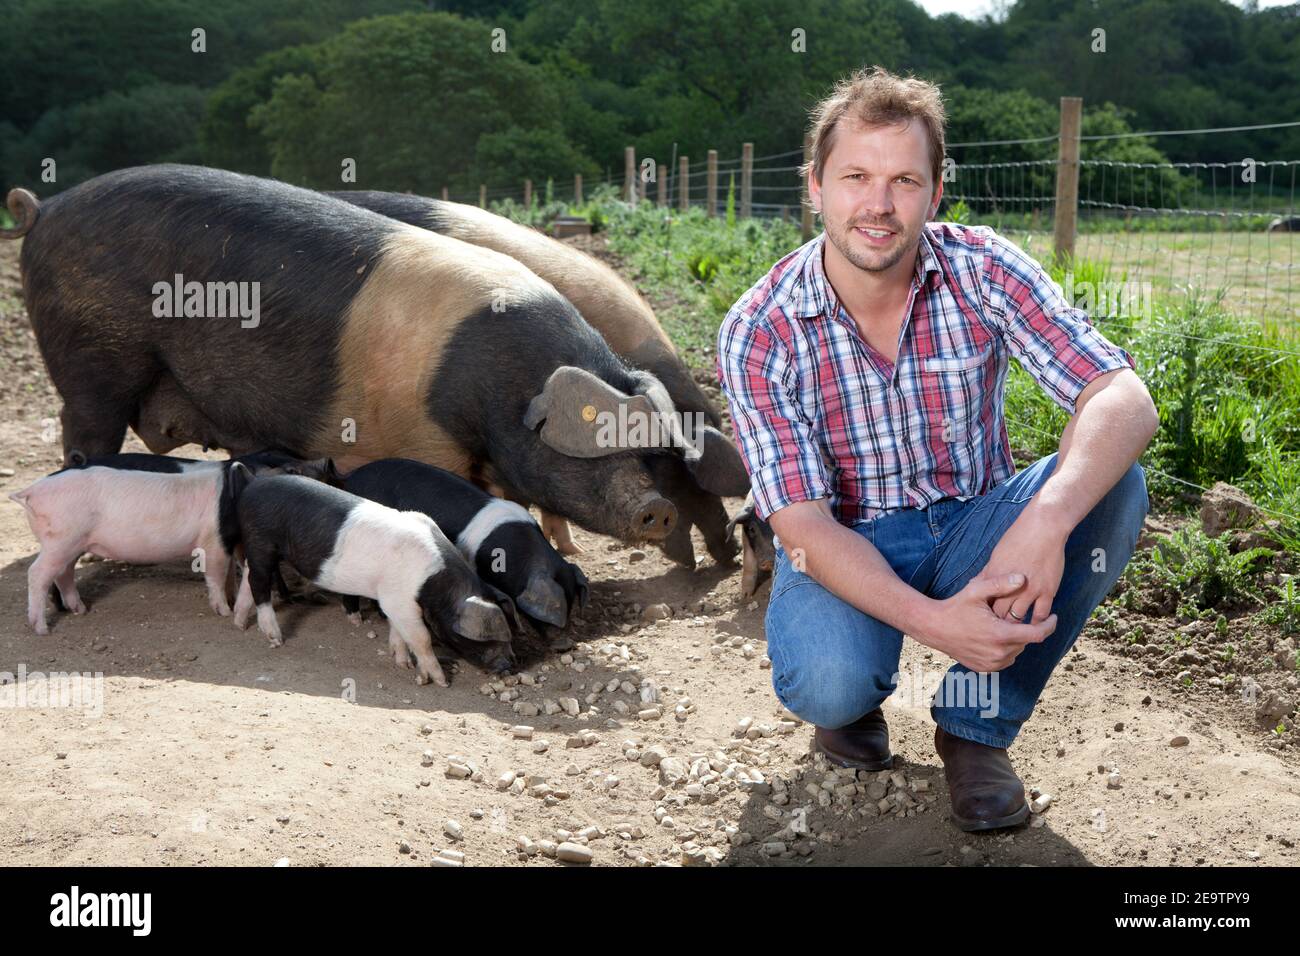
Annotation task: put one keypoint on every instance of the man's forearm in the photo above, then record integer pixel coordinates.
(851, 568)
(1102, 441)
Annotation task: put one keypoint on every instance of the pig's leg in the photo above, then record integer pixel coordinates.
(243, 601)
(557, 529)
(397, 647)
(281, 588)
(407, 619)
(352, 604)
(260, 574)
(260, 562)
(40, 576)
(66, 582)
(215, 572)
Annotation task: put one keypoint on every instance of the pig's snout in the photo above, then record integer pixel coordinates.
(500, 659)
(655, 519)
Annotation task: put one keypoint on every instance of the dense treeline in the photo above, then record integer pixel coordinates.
(421, 95)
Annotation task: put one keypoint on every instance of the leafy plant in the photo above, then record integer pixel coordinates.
(1285, 613)
(958, 212)
(1200, 570)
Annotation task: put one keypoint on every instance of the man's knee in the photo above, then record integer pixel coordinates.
(1113, 528)
(1129, 504)
(830, 693)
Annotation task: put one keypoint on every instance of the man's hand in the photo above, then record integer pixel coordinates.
(965, 628)
(1033, 546)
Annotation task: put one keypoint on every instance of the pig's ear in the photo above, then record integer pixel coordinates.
(582, 586)
(576, 408)
(544, 600)
(719, 469)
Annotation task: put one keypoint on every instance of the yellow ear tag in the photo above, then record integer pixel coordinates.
(588, 413)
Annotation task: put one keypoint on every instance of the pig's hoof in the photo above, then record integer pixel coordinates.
(221, 609)
(569, 547)
(78, 608)
(40, 627)
(355, 619)
(240, 621)
(275, 640)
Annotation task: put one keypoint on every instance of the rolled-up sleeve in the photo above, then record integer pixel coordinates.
(1055, 342)
(776, 440)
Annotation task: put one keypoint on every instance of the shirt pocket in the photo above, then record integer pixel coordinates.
(954, 389)
(957, 363)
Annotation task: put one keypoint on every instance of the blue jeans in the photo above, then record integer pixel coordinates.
(832, 663)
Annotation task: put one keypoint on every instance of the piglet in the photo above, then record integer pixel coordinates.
(139, 517)
(352, 546)
(498, 537)
(759, 544)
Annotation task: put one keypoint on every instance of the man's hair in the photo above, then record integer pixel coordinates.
(876, 97)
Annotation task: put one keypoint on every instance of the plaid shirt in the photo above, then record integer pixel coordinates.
(819, 413)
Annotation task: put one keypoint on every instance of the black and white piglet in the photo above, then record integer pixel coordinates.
(498, 537)
(352, 546)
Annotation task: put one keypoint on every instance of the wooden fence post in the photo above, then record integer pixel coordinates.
(1067, 178)
(746, 180)
(577, 188)
(444, 193)
(528, 194)
(482, 195)
(662, 184)
(712, 183)
(683, 182)
(629, 173)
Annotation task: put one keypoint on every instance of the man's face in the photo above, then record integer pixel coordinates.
(876, 192)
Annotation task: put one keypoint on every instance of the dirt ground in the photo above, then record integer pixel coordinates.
(213, 747)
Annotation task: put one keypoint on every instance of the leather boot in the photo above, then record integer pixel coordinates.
(862, 745)
(984, 790)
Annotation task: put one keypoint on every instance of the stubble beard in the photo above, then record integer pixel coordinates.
(867, 260)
